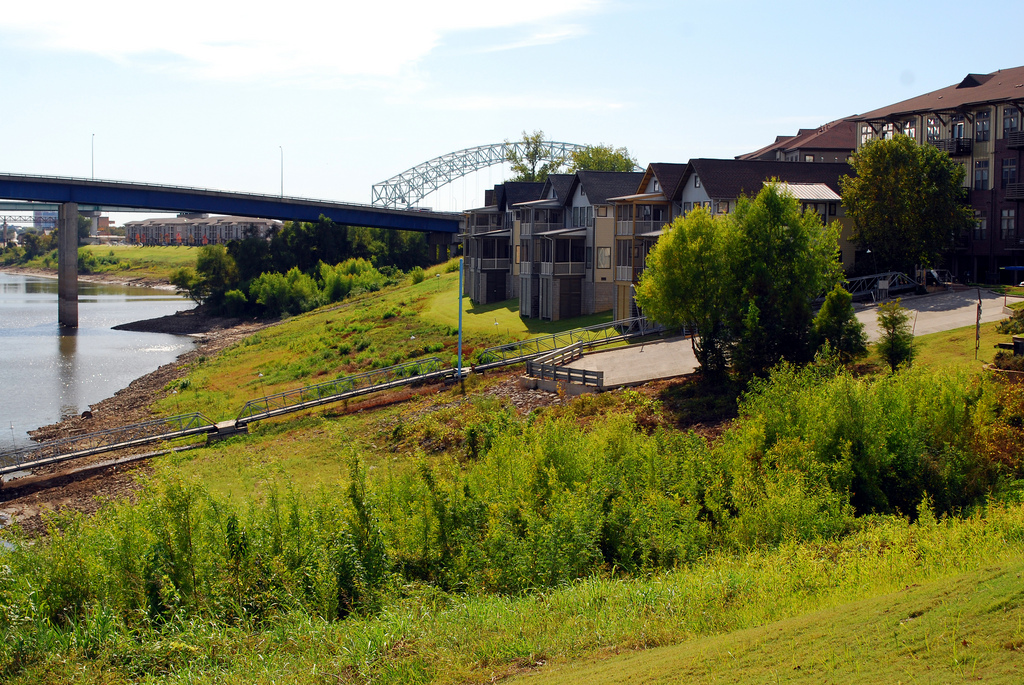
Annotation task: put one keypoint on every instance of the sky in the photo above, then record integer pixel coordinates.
(214, 94)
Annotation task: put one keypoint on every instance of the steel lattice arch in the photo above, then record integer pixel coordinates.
(409, 187)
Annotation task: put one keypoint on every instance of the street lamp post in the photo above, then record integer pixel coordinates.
(281, 147)
(94, 156)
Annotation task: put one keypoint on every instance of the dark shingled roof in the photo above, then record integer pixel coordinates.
(601, 185)
(729, 178)
(512, 192)
(562, 184)
(1004, 85)
(669, 175)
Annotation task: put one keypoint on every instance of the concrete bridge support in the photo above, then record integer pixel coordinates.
(67, 265)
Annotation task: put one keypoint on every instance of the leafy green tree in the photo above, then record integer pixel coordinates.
(601, 158)
(896, 346)
(536, 162)
(782, 259)
(906, 201)
(84, 228)
(214, 275)
(688, 282)
(836, 324)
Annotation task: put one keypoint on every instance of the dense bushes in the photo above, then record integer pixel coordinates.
(535, 503)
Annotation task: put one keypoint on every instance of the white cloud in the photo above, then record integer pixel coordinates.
(306, 39)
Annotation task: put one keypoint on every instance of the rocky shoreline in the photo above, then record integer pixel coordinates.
(102, 279)
(27, 500)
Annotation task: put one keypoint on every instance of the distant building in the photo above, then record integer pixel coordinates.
(198, 229)
(831, 142)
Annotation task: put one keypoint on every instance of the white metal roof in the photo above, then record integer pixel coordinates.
(810, 191)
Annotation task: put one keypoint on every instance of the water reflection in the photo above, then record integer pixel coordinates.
(47, 373)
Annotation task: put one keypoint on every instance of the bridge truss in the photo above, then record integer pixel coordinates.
(405, 190)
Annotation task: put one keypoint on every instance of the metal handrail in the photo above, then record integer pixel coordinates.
(522, 350)
(322, 393)
(75, 446)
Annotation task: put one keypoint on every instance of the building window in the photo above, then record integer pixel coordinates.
(604, 258)
(696, 181)
(831, 208)
(1011, 120)
(866, 134)
(887, 131)
(934, 129)
(910, 128)
(982, 126)
(958, 126)
(1009, 172)
(657, 186)
(981, 175)
(723, 207)
(808, 158)
(980, 224)
(1008, 224)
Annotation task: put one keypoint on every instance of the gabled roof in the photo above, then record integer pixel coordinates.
(601, 185)
(835, 135)
(1004, 85)
(513, 192)
(669, 175)
(729, 178)
(561, 184)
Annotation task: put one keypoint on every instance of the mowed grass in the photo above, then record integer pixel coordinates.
(964, 628)
(130, 261)
(403, 323)
(951, 349)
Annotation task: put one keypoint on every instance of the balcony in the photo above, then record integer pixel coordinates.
(526, 228)
(955, 147)
(525, 268)
(1014, 191)
(648, 226)
(493, 264)
(624, 273)
(563, 268)
(623, 228)
(1015, 140)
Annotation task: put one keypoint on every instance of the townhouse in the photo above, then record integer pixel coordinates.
(978, 122)
(565, 245)
(671, 190)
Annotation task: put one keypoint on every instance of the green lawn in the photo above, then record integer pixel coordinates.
(960, 629)
(129, 261)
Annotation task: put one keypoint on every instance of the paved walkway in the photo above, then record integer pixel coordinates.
(942, 311)
(635, 364)
(639, 363)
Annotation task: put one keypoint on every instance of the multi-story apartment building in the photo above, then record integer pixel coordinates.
(197, 229)
(670, 190)
(491, 240)
(565, 245)
(979, 123)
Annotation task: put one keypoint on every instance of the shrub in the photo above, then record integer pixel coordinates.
(896, 346)
(417, 274)
(235, 303)
(1013, 325)
(836, 324)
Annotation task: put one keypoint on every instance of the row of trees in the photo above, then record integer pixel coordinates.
(302, 266)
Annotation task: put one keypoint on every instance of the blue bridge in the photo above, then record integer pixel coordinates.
(69, 196)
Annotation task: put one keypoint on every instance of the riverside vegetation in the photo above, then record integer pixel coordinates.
(456, 540)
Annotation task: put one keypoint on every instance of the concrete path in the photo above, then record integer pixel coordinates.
(639, 363)
(635, 364)
(942, 311)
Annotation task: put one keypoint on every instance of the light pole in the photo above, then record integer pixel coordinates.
(281, 147)
(94, 156)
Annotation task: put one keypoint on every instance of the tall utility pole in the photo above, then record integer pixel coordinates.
(94, 156)
(282, 169)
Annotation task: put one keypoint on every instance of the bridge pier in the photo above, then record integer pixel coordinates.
(67, 265)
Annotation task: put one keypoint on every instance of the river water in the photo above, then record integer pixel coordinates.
(47, 374)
